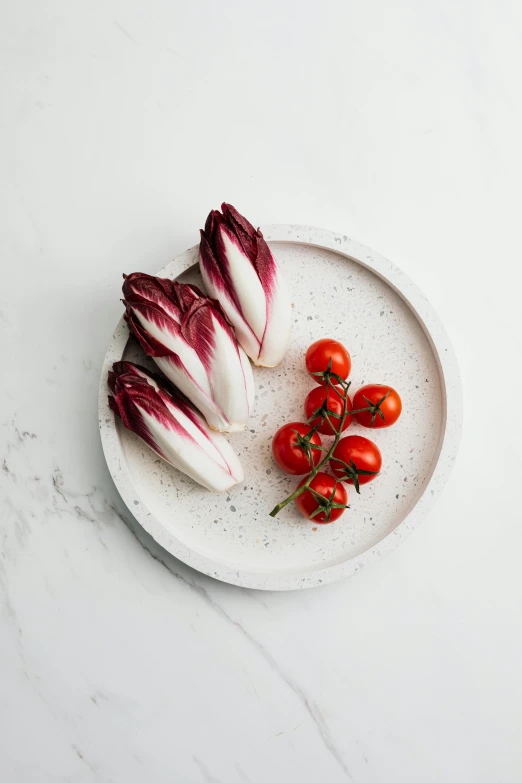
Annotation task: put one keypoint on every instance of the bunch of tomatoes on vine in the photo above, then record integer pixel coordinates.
(298, 448)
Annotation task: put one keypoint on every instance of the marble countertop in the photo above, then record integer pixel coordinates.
(122, 125)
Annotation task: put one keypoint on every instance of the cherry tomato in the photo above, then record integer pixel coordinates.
(319, 354)
(384, 403)
(362, 455)
(315, 399)
(324, 485)
(289, 454)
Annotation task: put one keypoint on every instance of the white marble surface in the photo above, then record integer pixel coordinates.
(122, 124)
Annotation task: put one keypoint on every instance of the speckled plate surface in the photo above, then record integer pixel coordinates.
(340, 289)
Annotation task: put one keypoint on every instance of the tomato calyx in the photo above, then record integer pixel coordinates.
(327, 376)
(323, 411)
(325, 505)
(373, 407)
(352, 472)
(305, 443)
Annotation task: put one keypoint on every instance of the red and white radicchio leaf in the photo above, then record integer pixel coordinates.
(190, 339)
(239, 271)
(172, 427)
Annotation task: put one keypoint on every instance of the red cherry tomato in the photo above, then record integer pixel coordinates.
(384, 403)
(325, 486)
(361, 455)
(318, 357)
(289, 454)
(315, 399)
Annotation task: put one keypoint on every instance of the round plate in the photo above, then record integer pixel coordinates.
(339, 289)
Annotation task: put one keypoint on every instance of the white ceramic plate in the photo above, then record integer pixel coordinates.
(340, 289)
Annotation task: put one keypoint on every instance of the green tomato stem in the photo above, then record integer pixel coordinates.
(316, 468)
